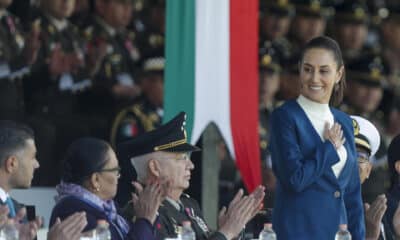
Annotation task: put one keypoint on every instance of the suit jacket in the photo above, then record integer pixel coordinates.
(140, 230)
(17, 205)
(310, 200)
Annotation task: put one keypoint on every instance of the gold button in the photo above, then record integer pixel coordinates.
(337, 194)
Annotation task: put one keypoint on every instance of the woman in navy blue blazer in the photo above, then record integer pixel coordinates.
(314, 155)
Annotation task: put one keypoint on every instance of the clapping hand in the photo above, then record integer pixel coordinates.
(241, 209)
(68, 229)
(147, 200)
(373, 217)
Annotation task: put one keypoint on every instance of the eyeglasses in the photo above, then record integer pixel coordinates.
(363, 157)
(115, 169)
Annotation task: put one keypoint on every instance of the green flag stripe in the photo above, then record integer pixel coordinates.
(180, 63)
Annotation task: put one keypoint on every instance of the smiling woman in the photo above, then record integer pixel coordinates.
(313, 153)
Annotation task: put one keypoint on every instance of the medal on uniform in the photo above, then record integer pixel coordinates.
(200, 222)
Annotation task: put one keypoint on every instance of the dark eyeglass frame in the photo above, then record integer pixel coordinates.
(363, 157)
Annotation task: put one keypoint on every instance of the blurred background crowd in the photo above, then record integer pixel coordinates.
(73, 68)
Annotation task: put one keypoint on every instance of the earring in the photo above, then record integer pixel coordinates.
(97, 189)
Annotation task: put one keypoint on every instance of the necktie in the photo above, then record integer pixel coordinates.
(11, 207)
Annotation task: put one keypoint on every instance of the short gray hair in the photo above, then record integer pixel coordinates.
(141, 164)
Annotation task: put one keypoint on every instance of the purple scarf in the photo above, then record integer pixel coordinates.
(108, 207)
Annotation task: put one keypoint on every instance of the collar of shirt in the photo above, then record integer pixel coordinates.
(3, 195)
(174, 203)
(59, 24)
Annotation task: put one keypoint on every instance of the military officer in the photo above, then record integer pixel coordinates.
(275, 19)
(15, 59)
(390, 29)
(146, 113)
(351, 29)
(57, 80)
(114, 83)
(151, 40)
(364, 93)
(309, 22)
(367, 140)
(164, 153)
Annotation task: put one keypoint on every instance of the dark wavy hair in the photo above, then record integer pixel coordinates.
(84, 157)
(332, 46)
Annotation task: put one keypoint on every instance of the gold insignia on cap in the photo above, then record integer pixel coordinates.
(376, 69)
(356, 127)
(315, 5)
(375, 73)
(266, 60)
(359, 13)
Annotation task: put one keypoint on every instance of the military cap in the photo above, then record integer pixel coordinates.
(368, 70)
(269, 60)
(366, 135)
(170, 137)
(277, 7)
(352, 12)
(313, 8)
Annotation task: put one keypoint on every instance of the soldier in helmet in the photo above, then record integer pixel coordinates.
(351, 28)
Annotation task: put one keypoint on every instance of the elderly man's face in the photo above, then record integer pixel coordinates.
(177, 168)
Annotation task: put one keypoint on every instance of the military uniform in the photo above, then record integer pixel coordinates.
(53, 100)
(12, 67)
(141, 117)
(117, 68)
(370, 71)
(171, 214)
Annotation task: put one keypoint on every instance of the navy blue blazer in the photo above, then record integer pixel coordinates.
(310, 200)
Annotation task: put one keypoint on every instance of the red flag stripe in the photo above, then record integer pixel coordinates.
(244, 89)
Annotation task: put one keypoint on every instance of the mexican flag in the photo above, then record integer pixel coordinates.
(212, 74)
